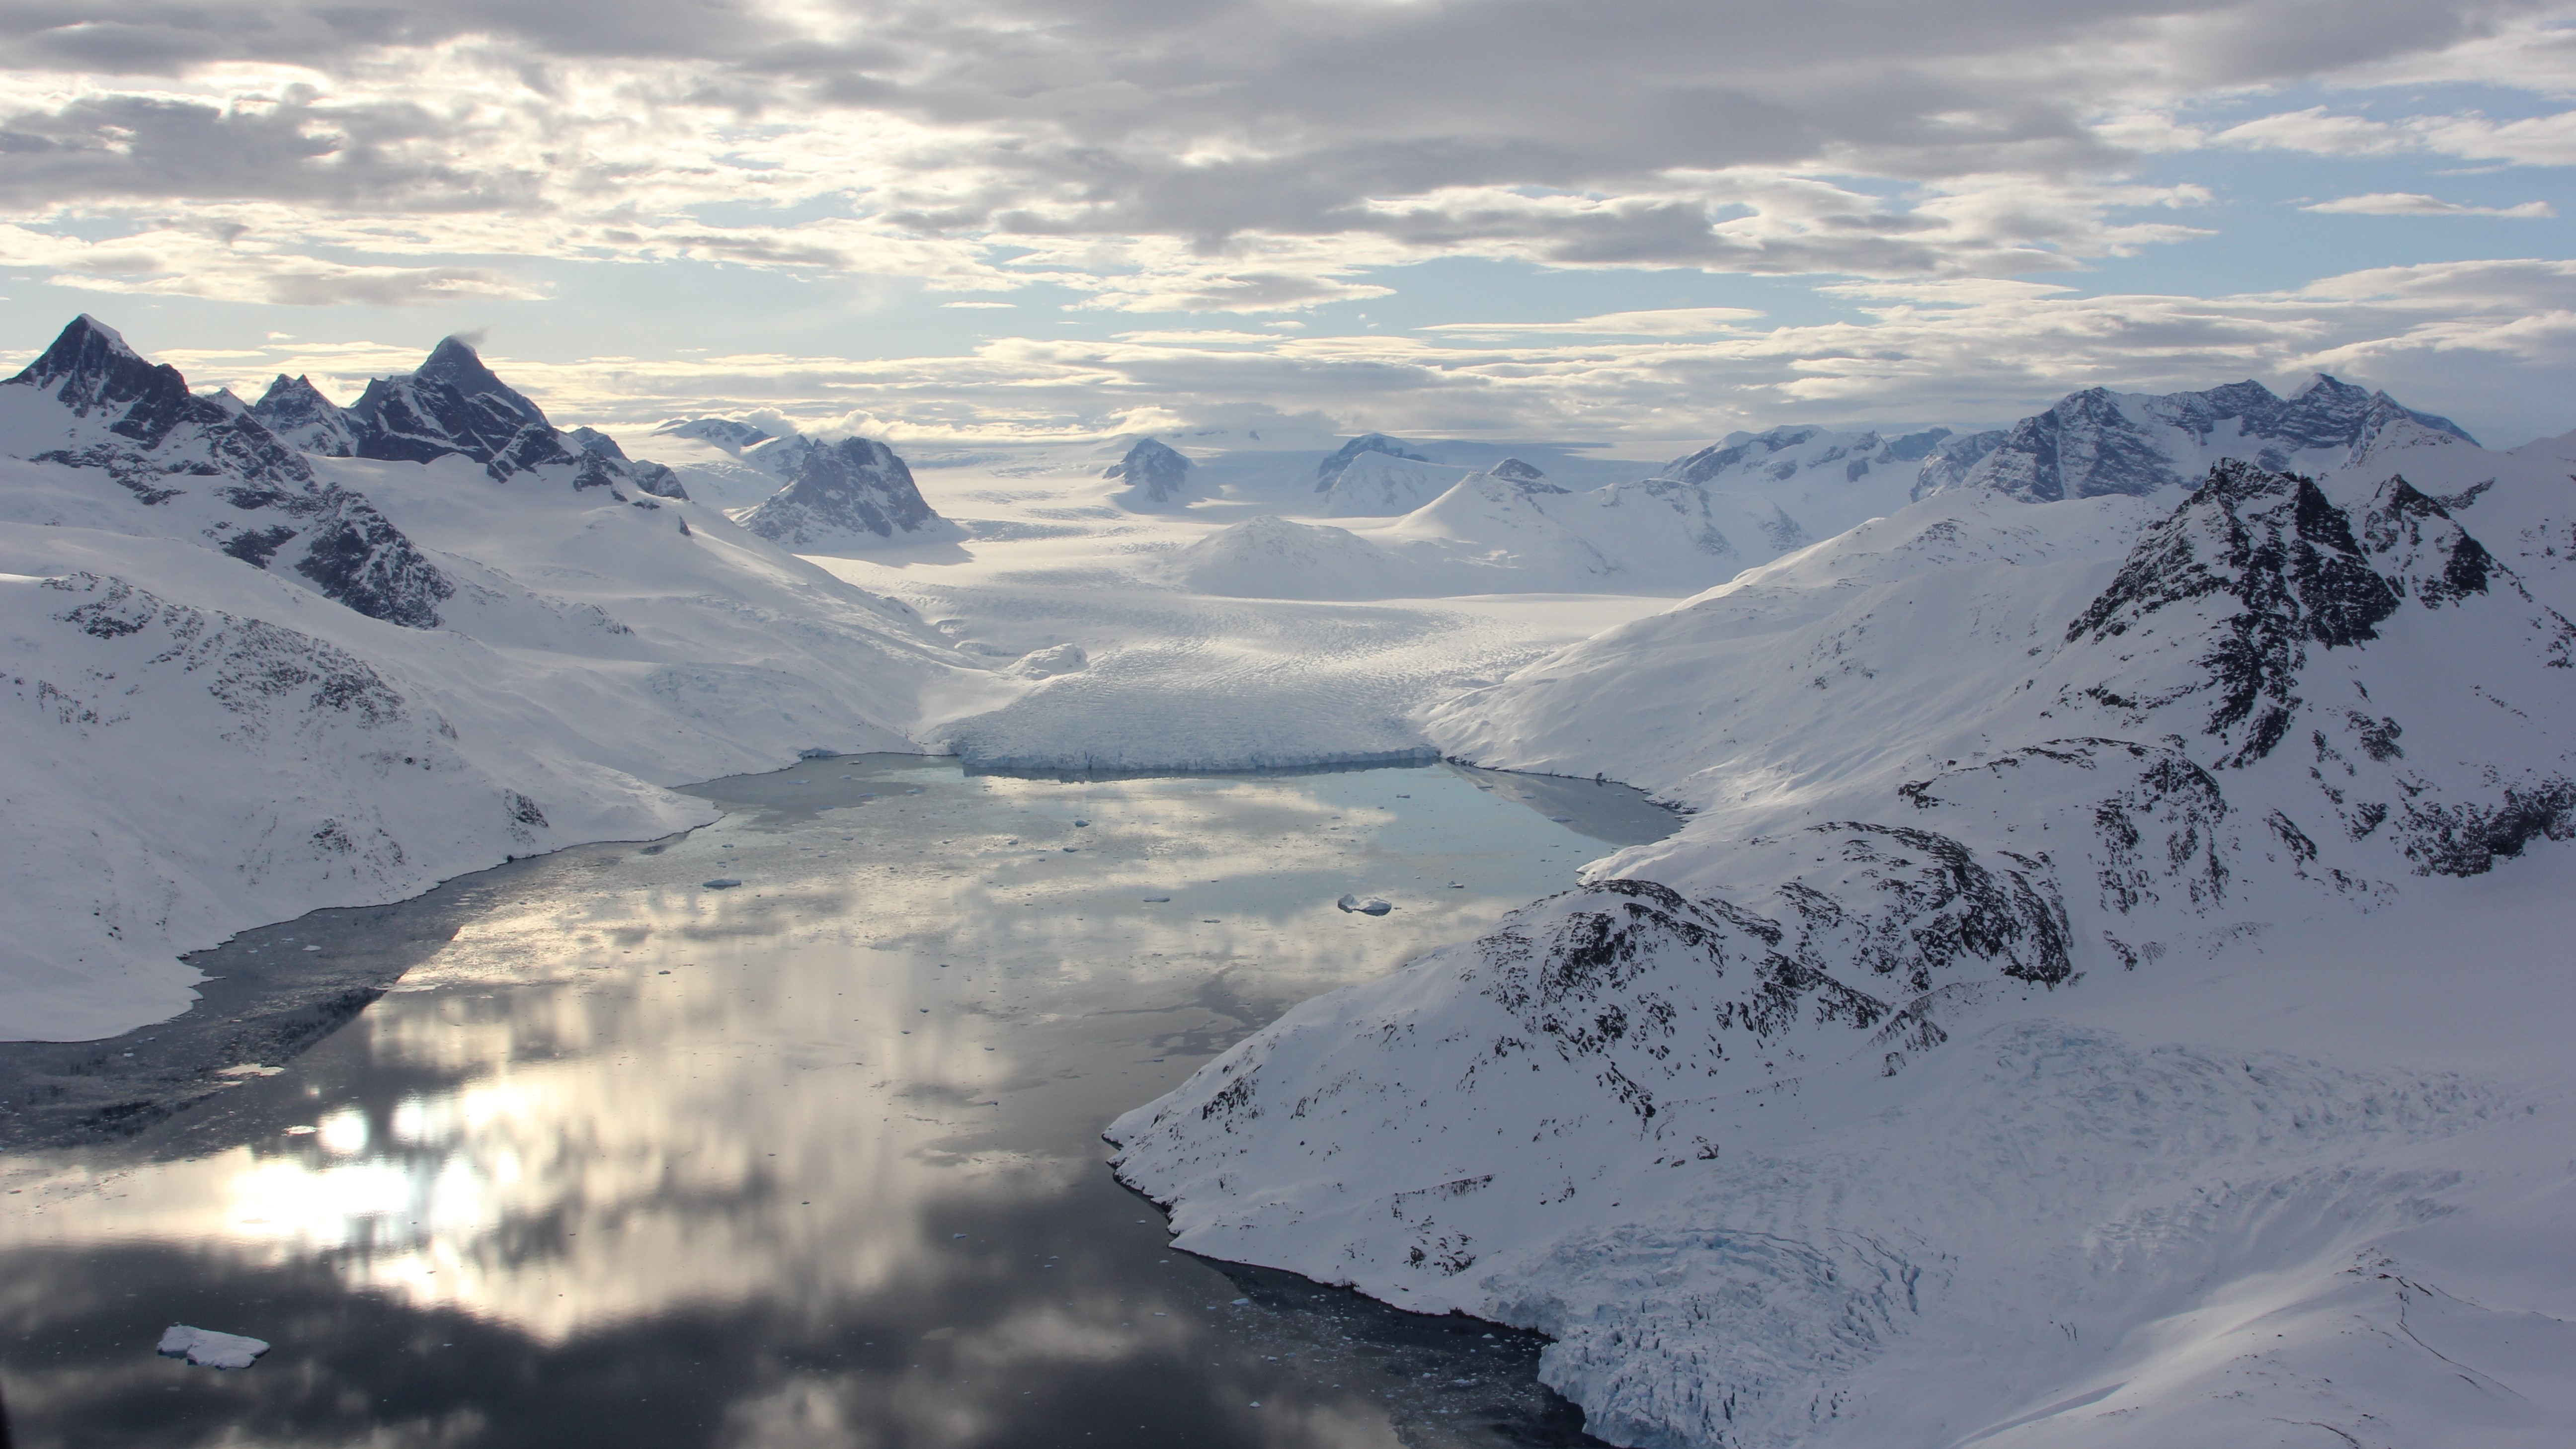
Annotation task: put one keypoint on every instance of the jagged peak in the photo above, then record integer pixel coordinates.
(84, 345)
(1330, 470)
(455, 362)
(1514, 468)
(1154, 452)
(87, 326)
(2323, 381)
(298, 388)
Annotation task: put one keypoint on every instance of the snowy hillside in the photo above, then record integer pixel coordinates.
(1276, 558)
(2071, 1017)
(248, 682)
(1379, 485)
(1510, 528)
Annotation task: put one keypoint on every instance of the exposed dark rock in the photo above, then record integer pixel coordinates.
(2286, 557)
(841, 490)
(1160, 473)
(160, 437)
(1951, 460)
(354, 555)
(302, 418)
(2099, 442)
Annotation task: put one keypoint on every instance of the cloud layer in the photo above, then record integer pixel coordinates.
(1238, 158)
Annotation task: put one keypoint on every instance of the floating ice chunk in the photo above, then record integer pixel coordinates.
(720, 883)
(312, 948)
(1372, 906)
(208, 1349)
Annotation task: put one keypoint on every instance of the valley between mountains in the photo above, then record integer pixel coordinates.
(2109, 987)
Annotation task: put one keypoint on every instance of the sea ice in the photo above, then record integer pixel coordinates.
(208, 1349)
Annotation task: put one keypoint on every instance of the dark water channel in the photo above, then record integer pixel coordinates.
(624, 1159)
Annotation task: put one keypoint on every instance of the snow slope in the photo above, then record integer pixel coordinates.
(1276, 558)
(1510, 527)
(418, 671)
(1378, 485)
(2107, 996)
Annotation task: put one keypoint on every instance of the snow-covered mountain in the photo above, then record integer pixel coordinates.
(453, 404)
(247, 682)
(302, 418)
(852, 493)
(1510, 528)
(1276, 558)
(1329, 471)
(2097, 441)
(1156, 474)
(186, 464)
(2066, 1019)
(1380, 484)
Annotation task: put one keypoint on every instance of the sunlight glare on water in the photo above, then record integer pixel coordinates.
(814, 1158)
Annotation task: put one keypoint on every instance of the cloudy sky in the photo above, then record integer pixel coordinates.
(1636, 221)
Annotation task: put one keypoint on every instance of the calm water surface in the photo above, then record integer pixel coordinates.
(624, 1159)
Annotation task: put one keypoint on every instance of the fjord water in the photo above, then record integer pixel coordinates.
(811, 1160)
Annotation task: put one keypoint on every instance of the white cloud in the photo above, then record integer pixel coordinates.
(2410, 203)
(2548, 140)
(1662, 322)
(2487, 342)
(1235, 156)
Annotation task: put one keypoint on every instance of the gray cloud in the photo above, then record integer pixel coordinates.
(127, 146)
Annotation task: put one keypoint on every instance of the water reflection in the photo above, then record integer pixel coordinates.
(808, 1161)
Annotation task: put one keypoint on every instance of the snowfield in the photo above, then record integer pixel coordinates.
(2107, 994)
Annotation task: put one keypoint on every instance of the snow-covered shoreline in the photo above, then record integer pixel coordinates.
(2045, 1032)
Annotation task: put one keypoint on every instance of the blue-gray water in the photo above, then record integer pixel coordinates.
(627, 1160)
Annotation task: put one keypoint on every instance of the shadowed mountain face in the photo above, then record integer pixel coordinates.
(840, 491)
(1329, 472)
(453, 405)
(225, 477)
(297, 412)
(1158, 473)
(2098, 442)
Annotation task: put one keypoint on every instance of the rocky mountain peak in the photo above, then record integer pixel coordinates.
(596, 443)
(840, 491)
(2097, 442)
(89, 369)
(455, 362)
(1523, 478)
(1158, 472)
(298, 413)
(1329, 472)
(222, 476)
